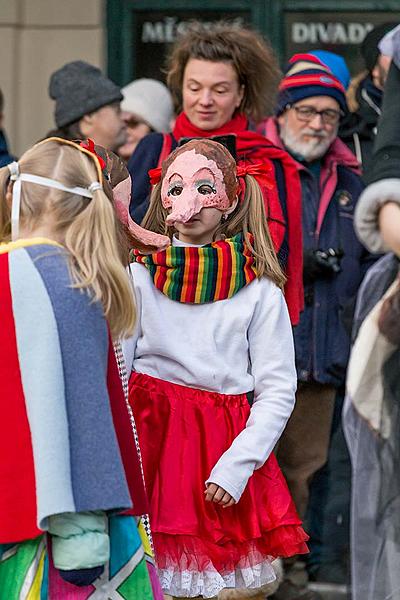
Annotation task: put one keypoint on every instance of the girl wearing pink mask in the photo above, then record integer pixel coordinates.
(213, 326)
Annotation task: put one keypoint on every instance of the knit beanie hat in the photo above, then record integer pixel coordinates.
(336, 64)
(307, 76)
(150, 100)
(79, 89)
(369, 47)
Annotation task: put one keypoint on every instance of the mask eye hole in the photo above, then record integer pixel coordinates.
(206, 189)
(175, 190)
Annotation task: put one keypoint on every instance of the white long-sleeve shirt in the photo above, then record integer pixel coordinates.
(230, 346)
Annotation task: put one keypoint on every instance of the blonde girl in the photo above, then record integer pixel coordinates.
(64, 426)
(212, 326)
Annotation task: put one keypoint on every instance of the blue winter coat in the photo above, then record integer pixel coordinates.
(321, 339)
(322, 342)
(145, 157)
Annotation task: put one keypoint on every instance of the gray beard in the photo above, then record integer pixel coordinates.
(309, 151)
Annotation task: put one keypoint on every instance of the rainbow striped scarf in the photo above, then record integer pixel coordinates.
(197, 275)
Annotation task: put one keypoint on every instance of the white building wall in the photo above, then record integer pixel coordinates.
(38, 37)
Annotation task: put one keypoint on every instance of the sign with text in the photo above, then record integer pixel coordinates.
(340, 32)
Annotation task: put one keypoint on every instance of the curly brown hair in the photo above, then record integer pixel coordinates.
(251, 56)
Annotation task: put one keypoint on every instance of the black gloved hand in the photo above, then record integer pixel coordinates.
(81, 577)
(312, 268)
(320, 264)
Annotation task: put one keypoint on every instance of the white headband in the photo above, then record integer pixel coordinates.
(18, 178)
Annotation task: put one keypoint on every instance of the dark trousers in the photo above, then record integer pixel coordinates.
(303, 447)
(328, 516)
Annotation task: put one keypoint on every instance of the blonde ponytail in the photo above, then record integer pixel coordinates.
(5, 210)
(92, 242)
(86, 227)
(250, 217)
(267, 263)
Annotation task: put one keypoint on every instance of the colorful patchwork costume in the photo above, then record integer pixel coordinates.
(66, 441)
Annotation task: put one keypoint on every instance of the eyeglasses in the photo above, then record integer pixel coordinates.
(133, 121)
(305, 113)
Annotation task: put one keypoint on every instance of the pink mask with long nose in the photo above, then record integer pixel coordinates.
(122, 195)
(192, 182)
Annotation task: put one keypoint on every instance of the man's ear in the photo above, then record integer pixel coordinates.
(86, 125)
(87, 119)
(281, 119)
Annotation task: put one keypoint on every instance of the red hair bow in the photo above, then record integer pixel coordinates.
(89, 145)
(155, 175)
(262, 172)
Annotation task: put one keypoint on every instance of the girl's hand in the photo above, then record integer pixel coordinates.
(215, 493)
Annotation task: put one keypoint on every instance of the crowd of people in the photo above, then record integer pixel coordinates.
(200, 329)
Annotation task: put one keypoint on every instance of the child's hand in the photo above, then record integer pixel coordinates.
(215, 493)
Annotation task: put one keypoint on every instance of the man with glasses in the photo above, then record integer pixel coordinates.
(310, 104)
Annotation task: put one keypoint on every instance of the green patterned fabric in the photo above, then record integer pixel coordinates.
(21, 570)
(27, 572)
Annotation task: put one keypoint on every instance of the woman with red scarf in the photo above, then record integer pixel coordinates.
(222, 80)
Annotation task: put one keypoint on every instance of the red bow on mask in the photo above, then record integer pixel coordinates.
(155, 175)
(89, 145)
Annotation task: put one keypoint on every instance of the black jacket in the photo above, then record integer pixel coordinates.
(358, 129)
(386, 163)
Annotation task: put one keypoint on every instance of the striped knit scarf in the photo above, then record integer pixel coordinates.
(197, 275)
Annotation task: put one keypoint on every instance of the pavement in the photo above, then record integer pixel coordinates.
(330, 591)
(327, 591)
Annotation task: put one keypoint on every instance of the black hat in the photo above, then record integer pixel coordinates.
(79, 89)
(369, 47)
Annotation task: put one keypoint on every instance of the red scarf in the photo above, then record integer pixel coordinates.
(251, 147)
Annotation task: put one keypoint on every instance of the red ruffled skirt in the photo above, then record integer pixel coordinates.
(201, 547)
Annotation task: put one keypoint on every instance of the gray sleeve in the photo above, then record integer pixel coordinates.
(367, 212)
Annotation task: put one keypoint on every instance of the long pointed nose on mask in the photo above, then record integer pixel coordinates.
(184, 207)
(193, 181)
(141, 239)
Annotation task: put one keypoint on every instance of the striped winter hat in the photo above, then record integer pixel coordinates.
(308, 76)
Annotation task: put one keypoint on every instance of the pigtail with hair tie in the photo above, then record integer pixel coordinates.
(262, 173)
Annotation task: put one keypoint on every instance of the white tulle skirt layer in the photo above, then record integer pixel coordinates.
(209, 583)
